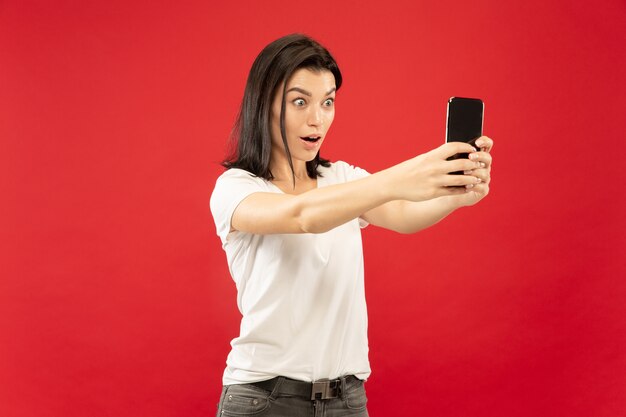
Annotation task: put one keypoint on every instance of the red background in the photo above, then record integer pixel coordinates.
(115, 297)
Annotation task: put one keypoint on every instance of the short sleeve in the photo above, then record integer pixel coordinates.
(230, 189)
(354, 173)
(351, 173)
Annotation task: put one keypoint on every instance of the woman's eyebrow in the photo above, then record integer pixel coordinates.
(306, 93)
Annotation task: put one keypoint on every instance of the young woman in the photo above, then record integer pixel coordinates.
(289, 221)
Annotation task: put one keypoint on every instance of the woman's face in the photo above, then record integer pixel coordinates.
(309, 112)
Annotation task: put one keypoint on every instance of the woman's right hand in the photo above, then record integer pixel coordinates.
(428, 175)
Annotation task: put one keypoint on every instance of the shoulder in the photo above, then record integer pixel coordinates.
(235, 178)
(231, 187)
(343, 171)
(234, 184)
(236, 174)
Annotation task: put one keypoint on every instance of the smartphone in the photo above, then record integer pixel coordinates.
(464, 122)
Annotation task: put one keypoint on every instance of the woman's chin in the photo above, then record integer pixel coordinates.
(310, 157)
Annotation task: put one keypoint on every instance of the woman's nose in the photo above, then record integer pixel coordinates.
(315, 117)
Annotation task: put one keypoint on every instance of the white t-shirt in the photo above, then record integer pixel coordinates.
(301, 296)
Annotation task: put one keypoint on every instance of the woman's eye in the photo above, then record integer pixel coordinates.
(299, 102)
(329, 102)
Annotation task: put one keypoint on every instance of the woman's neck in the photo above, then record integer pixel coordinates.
(281, 171)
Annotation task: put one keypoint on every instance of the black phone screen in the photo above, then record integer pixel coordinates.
(465, 119)
(465, 122)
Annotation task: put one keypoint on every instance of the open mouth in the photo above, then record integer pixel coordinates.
(311, 139)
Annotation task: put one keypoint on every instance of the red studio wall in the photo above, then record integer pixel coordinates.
(115, 297)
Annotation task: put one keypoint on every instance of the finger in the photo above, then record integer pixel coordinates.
(459, 180)
(483, 157)
(480, 189)
(483, 174)
(452, 148)
(461, 164)
(484, 143)
(444, 191)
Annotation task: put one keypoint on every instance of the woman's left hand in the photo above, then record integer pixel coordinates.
(476, 192)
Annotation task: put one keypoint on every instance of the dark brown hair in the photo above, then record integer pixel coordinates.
(251, 141)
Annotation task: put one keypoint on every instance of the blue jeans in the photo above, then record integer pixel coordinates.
(250, 400)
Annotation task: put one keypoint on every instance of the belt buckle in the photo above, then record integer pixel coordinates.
(325, 389)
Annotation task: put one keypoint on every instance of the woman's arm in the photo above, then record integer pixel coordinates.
(418, 179)
(408, 216)
(411, 217)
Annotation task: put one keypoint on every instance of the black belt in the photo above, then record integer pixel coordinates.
(318, 390)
